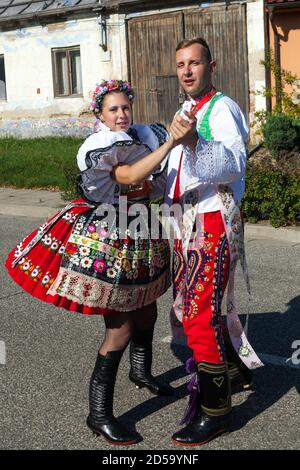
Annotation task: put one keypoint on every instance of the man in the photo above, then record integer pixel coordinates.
(206, 176)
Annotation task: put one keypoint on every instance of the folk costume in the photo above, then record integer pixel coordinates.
(76, 260)
(100, 255)
(86, 262)
(209, 184)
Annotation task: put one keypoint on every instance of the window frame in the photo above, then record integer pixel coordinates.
(68, 51)
(5, 98)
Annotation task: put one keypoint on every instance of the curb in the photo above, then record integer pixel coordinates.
(284, 234)
(29, 211)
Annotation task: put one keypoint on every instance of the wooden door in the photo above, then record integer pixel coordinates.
(225, 30)
(152, 42)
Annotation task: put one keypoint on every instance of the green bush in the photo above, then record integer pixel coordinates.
(296, 123)
(279, 133)
(272, 194)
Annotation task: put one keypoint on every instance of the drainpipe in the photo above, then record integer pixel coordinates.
(277, 59)
(103, 30)
(267, 49)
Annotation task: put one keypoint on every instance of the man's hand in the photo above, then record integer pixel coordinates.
(184, 131)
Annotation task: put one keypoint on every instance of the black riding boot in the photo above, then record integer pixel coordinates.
(240, 376)
(214, 415)
(101, 419)
(141, 362)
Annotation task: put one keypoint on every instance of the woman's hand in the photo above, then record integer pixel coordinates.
(184, 131)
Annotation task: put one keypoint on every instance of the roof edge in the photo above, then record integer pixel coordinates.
(46, 14)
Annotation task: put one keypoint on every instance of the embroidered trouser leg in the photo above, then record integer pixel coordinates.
(206, 279)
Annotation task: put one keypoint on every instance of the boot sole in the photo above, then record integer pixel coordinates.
(217, 434)
(115, 443)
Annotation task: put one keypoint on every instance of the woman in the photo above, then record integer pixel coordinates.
(84, 261)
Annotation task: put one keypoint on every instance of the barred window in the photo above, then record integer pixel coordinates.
(66, 64)
(2, 79)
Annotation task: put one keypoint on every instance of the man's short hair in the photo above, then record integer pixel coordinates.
(189, 42)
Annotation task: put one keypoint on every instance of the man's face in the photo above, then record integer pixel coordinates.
(194, 71)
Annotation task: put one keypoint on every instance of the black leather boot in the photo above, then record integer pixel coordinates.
(141, 362)
(101, 419)
(241, 377)
(214, 414)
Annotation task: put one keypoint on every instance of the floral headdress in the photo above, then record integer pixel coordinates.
(106, 86)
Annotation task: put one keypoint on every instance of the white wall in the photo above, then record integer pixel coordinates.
(256, 53)
(28, 67)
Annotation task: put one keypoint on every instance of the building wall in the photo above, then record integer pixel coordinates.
(287, 23)
(256, 53)
(28, 67)
(30, 108)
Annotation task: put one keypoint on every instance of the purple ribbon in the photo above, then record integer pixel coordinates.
(194, 389)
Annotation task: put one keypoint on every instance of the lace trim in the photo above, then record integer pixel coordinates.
(160, 131)
(94, 157)
(213, 162)
(93, 292)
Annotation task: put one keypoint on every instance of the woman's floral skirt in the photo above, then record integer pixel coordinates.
(78, 262)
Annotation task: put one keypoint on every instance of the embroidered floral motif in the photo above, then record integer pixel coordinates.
(196, 274)
(92, 262)
(178, 268)
(96, 252)
(221, 260)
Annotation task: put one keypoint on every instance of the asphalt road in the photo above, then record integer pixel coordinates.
(50, 355)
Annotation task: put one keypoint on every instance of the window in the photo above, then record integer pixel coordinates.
(67, 71)
(2, 79)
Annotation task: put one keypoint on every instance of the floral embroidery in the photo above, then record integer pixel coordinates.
(96, 252)
(196, 274)
(222, 258)
(100, 265)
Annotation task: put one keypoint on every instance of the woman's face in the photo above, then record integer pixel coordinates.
(116, 111)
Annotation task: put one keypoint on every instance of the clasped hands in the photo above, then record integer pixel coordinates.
(184, 131)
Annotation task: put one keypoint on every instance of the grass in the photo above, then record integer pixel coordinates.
(48, 163)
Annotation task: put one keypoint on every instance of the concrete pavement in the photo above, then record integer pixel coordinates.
(29, 202)
(50, 354)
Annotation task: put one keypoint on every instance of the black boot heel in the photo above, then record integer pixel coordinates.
(113, 432)
(101, 419)
(137, 386)
(141, 362)
(152, 384)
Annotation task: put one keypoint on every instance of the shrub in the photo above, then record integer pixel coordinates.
(279, 133)
(272, 194)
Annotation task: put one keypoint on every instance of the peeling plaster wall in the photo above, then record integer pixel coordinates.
(28, 67)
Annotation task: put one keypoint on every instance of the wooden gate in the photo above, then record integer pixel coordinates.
(225, 30)
(152, 42)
